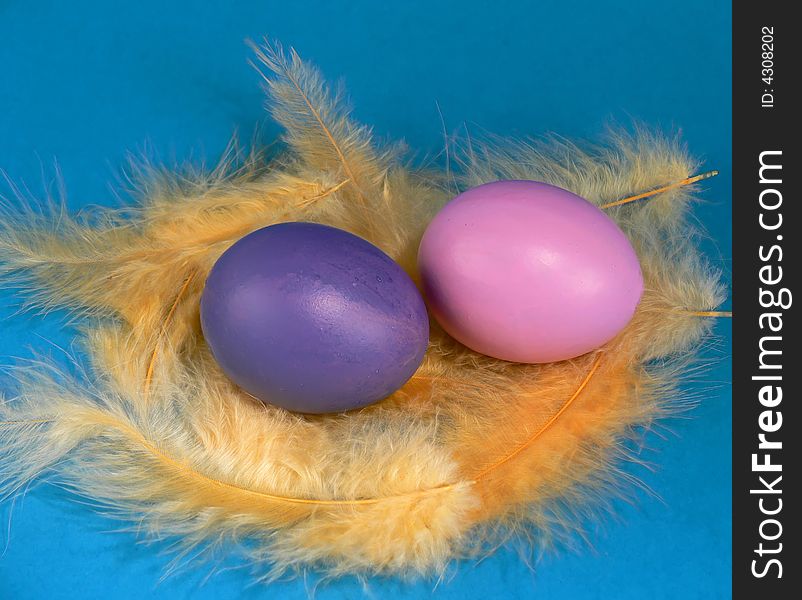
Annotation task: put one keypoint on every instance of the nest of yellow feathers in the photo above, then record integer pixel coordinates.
(471, 451)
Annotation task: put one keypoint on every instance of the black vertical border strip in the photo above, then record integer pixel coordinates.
(757, 129)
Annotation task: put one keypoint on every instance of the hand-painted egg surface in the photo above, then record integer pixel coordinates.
(313, 318)
(528, 272)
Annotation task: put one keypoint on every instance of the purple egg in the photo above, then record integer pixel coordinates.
(313, 319)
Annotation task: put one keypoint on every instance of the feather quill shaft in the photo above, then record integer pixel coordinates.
(661, 189)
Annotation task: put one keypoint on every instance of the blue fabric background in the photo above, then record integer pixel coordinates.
(84, 82)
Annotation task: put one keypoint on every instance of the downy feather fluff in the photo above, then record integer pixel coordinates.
(471, 451)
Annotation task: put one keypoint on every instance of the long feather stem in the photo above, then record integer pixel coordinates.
(163, 333)
(279, 60)
(528, 442)
(134, 434)
(660, 190)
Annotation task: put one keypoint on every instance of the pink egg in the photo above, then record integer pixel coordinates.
(528, 272)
